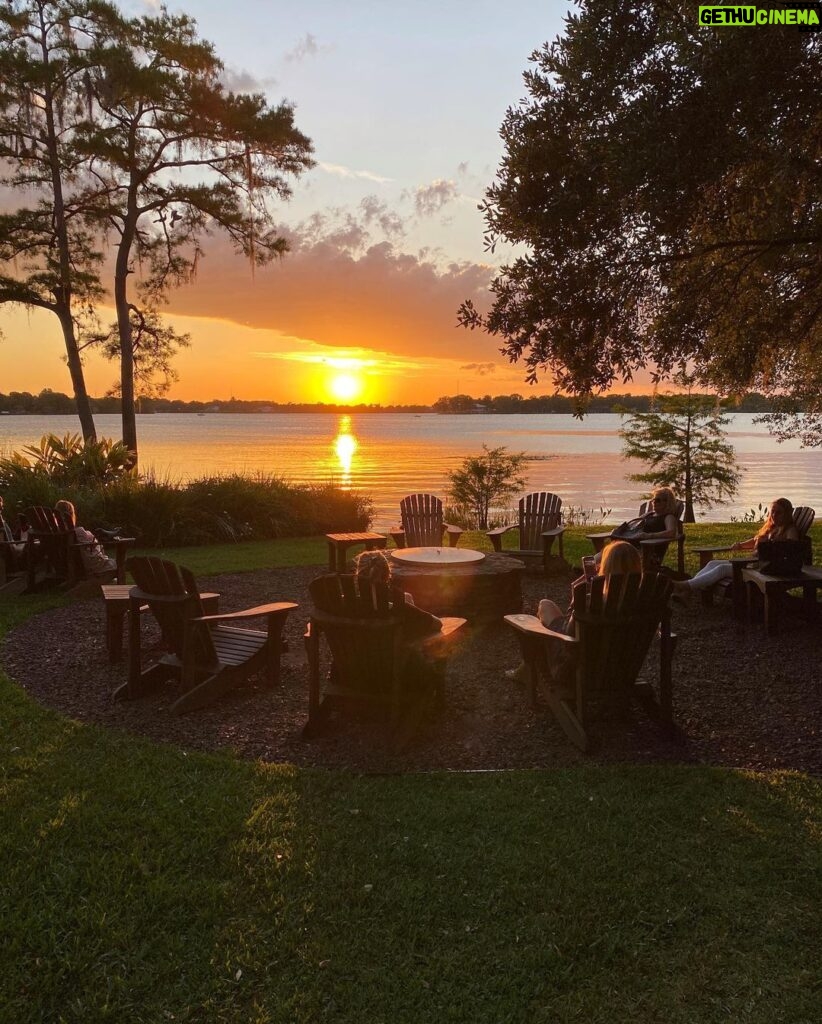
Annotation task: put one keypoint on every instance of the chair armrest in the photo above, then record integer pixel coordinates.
(500, 530)
(650, 542)
(531, 625)
(556, 532)
(250, 613)
(454, 534)
(398, 536)
(495, 536)
(711, 551)
(434, 640)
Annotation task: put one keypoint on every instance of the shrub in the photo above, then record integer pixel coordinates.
(163, 511)
(68, 460)
(482, 480)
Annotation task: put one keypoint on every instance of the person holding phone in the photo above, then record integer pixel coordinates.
(778, 526)
(619, 559)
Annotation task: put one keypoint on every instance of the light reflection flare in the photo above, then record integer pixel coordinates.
(345, 444)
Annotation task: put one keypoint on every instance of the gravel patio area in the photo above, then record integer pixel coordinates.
(741, 699)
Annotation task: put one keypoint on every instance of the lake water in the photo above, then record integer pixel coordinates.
(388, 455)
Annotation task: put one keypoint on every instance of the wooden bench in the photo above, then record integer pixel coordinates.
(339, 543)
(115, 597)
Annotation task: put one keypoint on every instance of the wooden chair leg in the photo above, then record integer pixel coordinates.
(568, 721)
(276, 623)
(312, 650)
(115, 619)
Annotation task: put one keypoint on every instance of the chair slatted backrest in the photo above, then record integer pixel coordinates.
(538, 512)
(361, 628)
(171, 593)
(803, 517)
(55, 540)
(615, 627)
(679, 511)
(421, 516)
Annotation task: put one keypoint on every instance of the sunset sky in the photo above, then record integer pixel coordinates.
(403, 103)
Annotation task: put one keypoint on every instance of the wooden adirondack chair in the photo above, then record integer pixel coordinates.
(209, 653)
(613, 632)
(539, 523)
(653, 551)
(422, 524)
(803, 518)
(364, 632)
(53, 552)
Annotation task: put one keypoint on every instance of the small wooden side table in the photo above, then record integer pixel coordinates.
(773, 588)
(339, 543)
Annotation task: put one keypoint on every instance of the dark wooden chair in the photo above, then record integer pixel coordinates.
(653, 551)
(209, 654)
(13, 571)
(613, 632)
(803, 518)
(539, 522)
(422, 524)
(13, 567)
(54, 554)
(365, 631)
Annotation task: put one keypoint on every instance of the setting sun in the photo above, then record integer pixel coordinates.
(345, 387)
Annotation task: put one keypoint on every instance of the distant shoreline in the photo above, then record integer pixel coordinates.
(50, 403)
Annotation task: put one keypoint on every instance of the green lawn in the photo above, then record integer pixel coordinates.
(264, 554)
(143, 883)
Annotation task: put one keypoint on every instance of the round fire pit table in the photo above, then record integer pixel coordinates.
(481, 589)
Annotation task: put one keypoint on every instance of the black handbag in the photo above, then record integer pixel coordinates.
(632, 529)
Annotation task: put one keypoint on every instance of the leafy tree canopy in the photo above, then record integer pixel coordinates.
(665, 193)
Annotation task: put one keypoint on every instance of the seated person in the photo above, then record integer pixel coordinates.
(95, 560)
(778, 526)
(618, 559)
(419, 677)
(374, 567)
(661, 523)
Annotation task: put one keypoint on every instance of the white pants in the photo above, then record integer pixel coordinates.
(713, 572)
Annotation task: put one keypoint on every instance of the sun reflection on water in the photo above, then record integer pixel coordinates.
(345, 445)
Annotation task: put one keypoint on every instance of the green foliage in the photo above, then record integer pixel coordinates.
(232, 508)
(67, 461)
(659, 189)
(484, 480)
(683, 442)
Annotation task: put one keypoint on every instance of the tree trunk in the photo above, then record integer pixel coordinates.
(78, 380)
(128, 413)
(63, 293)
(689, 485)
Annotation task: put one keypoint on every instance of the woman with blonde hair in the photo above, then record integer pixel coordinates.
(661, 522)
(618, 559)
(95, 560)
(778, 526)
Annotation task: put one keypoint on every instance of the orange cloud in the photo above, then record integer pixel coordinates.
(338, 293)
